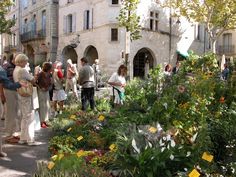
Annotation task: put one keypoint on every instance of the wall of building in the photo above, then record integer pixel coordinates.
(182, 35)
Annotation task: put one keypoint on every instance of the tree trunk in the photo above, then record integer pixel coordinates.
(214, 46)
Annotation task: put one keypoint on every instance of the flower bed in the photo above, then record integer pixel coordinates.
(183, 127)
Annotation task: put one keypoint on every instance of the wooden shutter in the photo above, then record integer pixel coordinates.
(65, 24)
(73, 22)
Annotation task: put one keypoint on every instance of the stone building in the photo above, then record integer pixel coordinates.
(226, 45)
(90, 28)
(11, 42)
(39, 29)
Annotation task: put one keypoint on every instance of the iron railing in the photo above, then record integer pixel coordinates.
(33, 35)
(226, 49)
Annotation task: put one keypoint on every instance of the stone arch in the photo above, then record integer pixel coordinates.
(143, 62)
(91, 54)
(29, 51)
(69, 52)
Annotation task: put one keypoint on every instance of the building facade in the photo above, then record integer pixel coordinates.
(11, 42)
(39, 29)
(226, 45)
(90, 28)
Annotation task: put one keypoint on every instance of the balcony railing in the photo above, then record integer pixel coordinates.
(226, 49)
(9, 48)
(33, 35)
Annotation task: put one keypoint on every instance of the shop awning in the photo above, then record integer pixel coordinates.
(184, 54)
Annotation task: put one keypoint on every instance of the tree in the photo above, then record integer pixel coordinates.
(129, 19)
(218, 16)
(5, 24)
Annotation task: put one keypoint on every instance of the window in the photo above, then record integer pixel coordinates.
(33, 24)
(14, 19)
(25, 3)
(25, 26)
(154, 21)
(86, 19)
(227, 42)
(69, 23)
(13, 39)
(44, 22)
(13, 3)
(114, 34)
(115, 2)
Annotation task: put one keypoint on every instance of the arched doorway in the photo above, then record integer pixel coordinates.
(29, 51)
(69, 53)
(143, 62)
(91, 54)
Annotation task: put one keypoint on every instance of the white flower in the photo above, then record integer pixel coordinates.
(168, 137)
(135, 146)
(188, 154)
(185, 169)
(172, 157)
(164, 138)
(161, 143)
(162, 149)
(165, 105)
(194, 137)
(172, 143)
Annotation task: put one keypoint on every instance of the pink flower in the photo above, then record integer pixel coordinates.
(181, 89)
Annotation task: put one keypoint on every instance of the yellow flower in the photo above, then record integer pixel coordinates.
(112, 147)
(73, 117)
(80, 153)
(80, 138)
(69, 129)
(152, 129)
(54, 158)
(51, 165)
(101, 118)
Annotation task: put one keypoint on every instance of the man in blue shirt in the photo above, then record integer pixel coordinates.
(6, 83)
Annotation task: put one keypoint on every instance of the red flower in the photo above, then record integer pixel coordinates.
(222, 99)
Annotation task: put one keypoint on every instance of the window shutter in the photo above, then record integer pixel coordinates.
(73, 22)
(85, 19)
(65, 24)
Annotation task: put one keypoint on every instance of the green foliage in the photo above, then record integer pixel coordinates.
(5, 24)
(165, 125)
(70, 166)
(217, 16)
(64, 143)
(129, 19)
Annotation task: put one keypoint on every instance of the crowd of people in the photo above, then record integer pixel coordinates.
(24, 93)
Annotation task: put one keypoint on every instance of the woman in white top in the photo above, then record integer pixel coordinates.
(25, 103)
(118, 82)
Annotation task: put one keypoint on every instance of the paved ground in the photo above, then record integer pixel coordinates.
(22, 159)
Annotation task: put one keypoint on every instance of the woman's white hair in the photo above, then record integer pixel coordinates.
(21, 58)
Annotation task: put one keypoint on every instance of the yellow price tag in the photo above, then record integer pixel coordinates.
(80, 138)
(208, 157)
(51, 165)
(69, 129)
(73, 117)
(112, 147)
(194, 173)
(80, 153)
